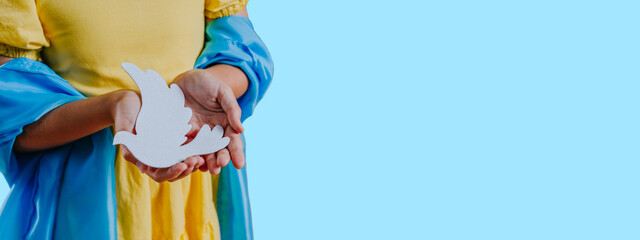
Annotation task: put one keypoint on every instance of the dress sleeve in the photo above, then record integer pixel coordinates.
(221, 8)
(21, 33)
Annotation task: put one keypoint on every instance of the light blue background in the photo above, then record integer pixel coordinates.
(447, 120)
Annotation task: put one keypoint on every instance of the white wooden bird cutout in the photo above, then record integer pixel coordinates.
(162, 124)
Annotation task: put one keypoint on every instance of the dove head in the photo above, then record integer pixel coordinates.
(145, 150)
(134, 144)
(124, 138)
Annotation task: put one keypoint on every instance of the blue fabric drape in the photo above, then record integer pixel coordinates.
(67, 192)
(233, 41)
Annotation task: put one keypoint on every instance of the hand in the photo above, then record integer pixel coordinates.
(213, 102)
(125, 108)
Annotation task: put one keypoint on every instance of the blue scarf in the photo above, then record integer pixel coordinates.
(67, 192)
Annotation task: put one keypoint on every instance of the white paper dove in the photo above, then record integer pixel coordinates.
(162, 124)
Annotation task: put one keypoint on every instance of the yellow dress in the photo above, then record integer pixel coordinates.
(85, 42)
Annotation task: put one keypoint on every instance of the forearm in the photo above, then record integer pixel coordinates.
(4, 59)
(68, 122)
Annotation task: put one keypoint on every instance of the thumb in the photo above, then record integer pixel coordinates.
(125, 111)
(231, 108)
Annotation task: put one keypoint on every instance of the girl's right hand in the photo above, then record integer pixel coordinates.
(125, 107)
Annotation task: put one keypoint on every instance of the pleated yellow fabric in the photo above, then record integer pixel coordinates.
(85, 42)
(21, 34)
(222, 8)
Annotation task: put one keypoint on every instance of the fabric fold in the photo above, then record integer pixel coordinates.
(67, 192)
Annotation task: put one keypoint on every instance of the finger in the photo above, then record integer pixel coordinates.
(231, 107)
(191, 163)
(164, 174)
(235, 149)
(212, 164)
(205, 166)
(124, 124)
(151, 172)
(127, 155)
(130, 158)
(141, 167)
(223, 157)
(126, 116)
(199, 163)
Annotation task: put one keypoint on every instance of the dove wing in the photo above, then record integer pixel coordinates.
(163, 114)
(206, 141)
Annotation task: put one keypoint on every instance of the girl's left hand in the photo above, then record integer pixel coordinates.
(213, 102)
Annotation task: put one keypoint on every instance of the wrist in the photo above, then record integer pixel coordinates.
(232, 76)
(117, 101)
